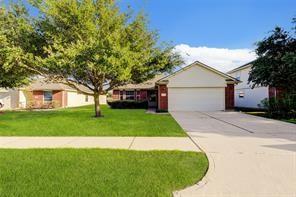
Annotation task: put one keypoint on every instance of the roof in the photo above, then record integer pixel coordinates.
(204, 66)
(241, 67)
(150, 84)
(42, 84)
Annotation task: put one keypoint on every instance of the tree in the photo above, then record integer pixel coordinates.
(81, 42)
(15, 30)
(276, 63)
(92, 43)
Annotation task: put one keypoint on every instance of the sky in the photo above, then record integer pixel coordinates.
(220, 33)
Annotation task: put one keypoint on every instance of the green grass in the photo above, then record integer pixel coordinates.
(291, 121)
(80, 122)
(264, 115)
(97, 172)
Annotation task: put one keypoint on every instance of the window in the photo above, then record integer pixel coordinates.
(47, 96)
(241, 94)
(130, 95)
(121, 95)
(86, 98)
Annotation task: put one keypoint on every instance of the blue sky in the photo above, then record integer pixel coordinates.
(216, 23)
(219, 32)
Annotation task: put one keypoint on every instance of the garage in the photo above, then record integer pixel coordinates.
(196, 87)
(196, 99)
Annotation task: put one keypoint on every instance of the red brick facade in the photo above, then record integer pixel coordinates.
(162, 97)
(229, 96)
(37, 101)
(59, 99)
(275, 92)
(115, 95)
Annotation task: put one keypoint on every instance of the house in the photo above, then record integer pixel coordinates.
(145, 91)
(245, 95)
(196, 87)
(41, 94)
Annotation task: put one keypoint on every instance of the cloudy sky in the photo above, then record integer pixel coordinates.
(222, 59)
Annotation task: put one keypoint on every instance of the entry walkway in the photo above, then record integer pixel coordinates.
(131, 143)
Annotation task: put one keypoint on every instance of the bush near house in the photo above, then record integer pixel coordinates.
(281, 108)
(128, 104)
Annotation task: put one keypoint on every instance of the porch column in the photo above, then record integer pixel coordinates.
(162, 97)
(229, 96)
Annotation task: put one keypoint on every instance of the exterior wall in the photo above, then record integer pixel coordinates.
(162, 97)
(116, 95)
(75, 99)
(65, 100)
(10, 98)
(57, 96)
(143, 96)
(251, 97)
(37, 99)
(229, 96)
(22, 99)
(196, 76)
(275, 92)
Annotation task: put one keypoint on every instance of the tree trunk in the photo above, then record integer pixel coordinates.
(97, 105)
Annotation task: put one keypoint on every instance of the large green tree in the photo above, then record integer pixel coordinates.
(15, 46)
(276, 62)
(94, 44)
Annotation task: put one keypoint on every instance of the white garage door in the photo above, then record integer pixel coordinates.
(196, 99)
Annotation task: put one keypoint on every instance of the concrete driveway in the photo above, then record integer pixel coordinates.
(249, 156)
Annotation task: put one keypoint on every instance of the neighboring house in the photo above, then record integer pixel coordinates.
(41, 94)
(245, 95)
(196, 87)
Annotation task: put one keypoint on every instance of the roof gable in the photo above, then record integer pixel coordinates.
(197, 63)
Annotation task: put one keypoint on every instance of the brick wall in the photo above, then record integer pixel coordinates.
(57, 97)
(162, 97)
(229, 96)
(37, 98)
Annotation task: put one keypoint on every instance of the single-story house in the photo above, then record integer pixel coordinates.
(245, 95)
(41, 94)
(196, 87)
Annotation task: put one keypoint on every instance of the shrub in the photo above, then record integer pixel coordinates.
(281, 108)
(128, 104)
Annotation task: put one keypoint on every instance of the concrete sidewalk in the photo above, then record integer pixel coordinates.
(132, 143)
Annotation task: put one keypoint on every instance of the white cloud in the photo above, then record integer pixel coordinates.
(222, 59)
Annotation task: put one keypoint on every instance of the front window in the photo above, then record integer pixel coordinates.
(130, 95)
(86, 98)
(47, 96)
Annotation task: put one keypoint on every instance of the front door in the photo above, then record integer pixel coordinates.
(152, 98)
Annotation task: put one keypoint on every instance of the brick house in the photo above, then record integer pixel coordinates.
(196, 87)
(41, 94)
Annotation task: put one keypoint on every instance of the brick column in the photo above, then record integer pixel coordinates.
(229, 96)
(162, 97)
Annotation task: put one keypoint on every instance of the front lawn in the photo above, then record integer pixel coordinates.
(265, 115)
(79, 122)
(97, 172)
